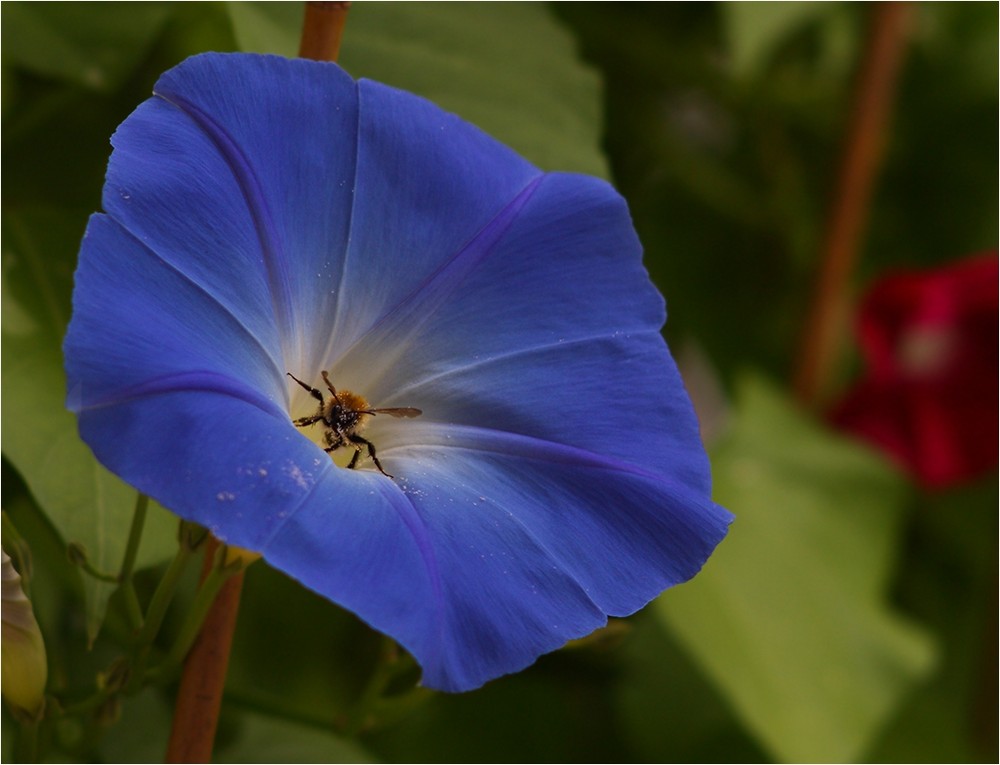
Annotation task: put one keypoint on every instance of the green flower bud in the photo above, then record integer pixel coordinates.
(24, 666)
(116, 677)
(236, 558)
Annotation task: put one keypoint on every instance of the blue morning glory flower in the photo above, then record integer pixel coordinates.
(267, 217)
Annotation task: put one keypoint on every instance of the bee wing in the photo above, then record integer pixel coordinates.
(399, 411)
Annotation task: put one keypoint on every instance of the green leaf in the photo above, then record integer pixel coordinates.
(668, 709)
(142, 733)
(790, 617)
(267, 27)
(756, 30)
(91, 44)
(84, 502)
(260, 738)
(243, 736)
(509, 68)
(949, 581)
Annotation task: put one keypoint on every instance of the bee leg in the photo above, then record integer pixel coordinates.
(359, 442)
(303, 422)
(354, 460)
(312, 391)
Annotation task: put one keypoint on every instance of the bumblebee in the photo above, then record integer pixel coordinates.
(344, 415)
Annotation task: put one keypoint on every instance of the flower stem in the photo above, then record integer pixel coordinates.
(77, 555)
(29, 741)
(132, 607)
(162, 596)
(322, 30)
(210, 587)
(848, 211)
(200, 695)
(374, 708)
(157, 610)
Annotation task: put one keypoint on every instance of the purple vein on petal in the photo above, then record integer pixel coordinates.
(387, 339)
(554, 559)
(477, 438)
(410, 515)
(279, 375)
(304, 501)
(402, 391)
(201, 381)
(281, 292)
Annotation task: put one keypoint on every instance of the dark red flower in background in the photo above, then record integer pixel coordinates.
(929, 396)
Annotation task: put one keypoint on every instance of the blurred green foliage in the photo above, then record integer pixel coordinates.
(848, 617)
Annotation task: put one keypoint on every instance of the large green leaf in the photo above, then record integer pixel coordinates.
(950, 584)
(142, 736)
(668, 709)
(267, 27)
(90, 44)
(756, 31)
(790, 617)
(510, 68)
(262, 738)
(84, 502)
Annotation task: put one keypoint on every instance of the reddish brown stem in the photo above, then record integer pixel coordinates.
(322, 29)
(199, 698)
(848, 212)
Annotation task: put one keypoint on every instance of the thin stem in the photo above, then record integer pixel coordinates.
(129, 675)
(88, 704)
(132, 607)
(848, 212)
(77, 555)
(322, 30)
(29, 741)
(156, 613)
(210, 587)
(199, 698)
(133, 610)
(134, 536)
(162, 596)
(374, 708)
(362, 716)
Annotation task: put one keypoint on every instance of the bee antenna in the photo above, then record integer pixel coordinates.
(326, 379)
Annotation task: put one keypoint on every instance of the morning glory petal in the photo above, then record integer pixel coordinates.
(140, 326)
(451, 569)
(170, 187)
(232, 464)
(543, 541)
(608, 396)
(418, 166)
(287, 130)
(565, 242)
(553, 331)
(266, 216)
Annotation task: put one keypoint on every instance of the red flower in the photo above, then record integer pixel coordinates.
(929, 398)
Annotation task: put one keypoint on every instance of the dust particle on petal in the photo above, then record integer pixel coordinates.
(295, 473)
